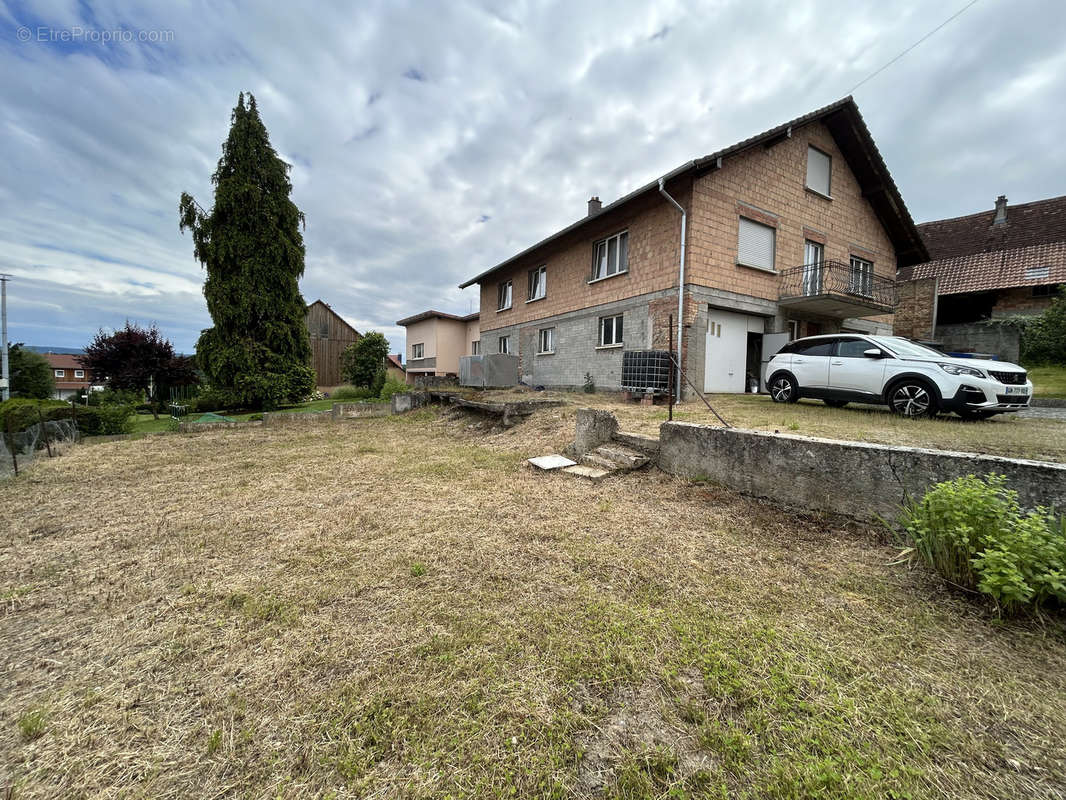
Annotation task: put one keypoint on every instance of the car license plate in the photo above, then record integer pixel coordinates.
(1017, 390)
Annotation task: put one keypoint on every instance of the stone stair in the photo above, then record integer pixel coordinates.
(607, 459)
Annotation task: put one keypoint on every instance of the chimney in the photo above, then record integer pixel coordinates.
(595, 206)
(1001, 210)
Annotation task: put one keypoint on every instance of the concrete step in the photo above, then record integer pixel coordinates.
(615, 456)
(593, 474)
(648, 445)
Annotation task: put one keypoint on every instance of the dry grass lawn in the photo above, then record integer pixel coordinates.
(400, 608)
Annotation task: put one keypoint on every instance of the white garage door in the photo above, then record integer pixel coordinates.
(727, 350)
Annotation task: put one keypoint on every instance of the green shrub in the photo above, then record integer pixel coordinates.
(973, 532)
(392, 386)
(117, 397)
(349, 393)
(379, 382)
(1044, 337)
(23, 412)
(212, 399)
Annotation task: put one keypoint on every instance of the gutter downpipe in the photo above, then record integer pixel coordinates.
(680, 283)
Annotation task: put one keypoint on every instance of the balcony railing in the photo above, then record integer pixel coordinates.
(848, 289)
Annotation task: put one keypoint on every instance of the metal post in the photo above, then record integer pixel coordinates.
(11, 443)
(671, 367)
(44, 431)
(5, 392)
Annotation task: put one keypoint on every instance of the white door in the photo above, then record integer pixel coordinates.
(850, 370)
(726, 353)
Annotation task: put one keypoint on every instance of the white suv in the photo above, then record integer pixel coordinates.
(911, 379)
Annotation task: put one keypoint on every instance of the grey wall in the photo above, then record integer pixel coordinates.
(981, 337)
(854, 478)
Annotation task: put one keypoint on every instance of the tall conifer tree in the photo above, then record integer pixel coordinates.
(251, 246)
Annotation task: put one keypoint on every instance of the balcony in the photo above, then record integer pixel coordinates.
(836, 289)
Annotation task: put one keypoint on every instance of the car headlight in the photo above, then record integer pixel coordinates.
(958, 369)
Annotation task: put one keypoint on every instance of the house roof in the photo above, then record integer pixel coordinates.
(340, 319)
(999, 269)
(437, 314)
(395, 361)
(853, 138)
(63, 360)
(1027, 225)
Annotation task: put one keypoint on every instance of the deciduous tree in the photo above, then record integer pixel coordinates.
(363, 360)
(31, 374)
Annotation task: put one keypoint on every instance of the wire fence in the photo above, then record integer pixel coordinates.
(19, 450)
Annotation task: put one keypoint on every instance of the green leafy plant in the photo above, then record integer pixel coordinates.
(975, 534)
(32, 724)
(348, 393)
(590, 383)
(418, 569)
(31, 374)
(1044, 337)
(363, 361)
(390, 387)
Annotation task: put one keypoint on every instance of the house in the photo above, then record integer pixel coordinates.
(394, 367)
(796, 231)
(436, 340)
(330, 335)
(1007, 261)
(72, 379)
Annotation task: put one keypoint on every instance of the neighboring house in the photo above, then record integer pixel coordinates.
(436, 340)
(1004, 262)
(72, 379)
(330, 334)
(394, 367)
(796, 231)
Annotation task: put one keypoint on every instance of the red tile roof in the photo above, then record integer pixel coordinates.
(63, 360)
(1028, 224)
(395, 361)
(1001, 269)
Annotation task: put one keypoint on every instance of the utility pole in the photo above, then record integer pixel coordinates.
(5, 375)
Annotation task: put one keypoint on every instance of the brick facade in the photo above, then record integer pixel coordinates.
(916, 313)
(765, 183)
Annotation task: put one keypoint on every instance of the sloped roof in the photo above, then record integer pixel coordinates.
(1028, 224)
(395, 361)
(999, 269)
(853, 138)
(339, 318)
(438, 314)
(63, 361)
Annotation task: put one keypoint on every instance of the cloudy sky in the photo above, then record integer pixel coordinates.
(429, 141)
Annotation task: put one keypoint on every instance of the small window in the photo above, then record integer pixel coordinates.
(1036, 273)
(610, 331)
(504, 296)
(823, 347)
(853, 348)
(862, 277)
(819, 166)
(505, 344)
(546, 340)
(475, 348)
(537, 283)
(418, 350)
(79, 373)
(611, 256)
(755, 244)
(60, 373)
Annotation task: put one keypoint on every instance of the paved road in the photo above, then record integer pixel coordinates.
(1044, 413)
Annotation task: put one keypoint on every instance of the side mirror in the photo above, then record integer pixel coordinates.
(873, 352)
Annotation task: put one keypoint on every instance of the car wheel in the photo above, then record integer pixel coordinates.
(783, 389)
(912, 399)
(835, 403)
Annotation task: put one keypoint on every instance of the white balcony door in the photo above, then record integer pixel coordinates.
(813, 259)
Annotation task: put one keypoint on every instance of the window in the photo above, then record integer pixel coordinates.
(504, 296)
(819, 348)
(819, 166)
(418, 350)
(813, 261)
(1048, 290)
(853, 348)
(610, 331)
(546, 340)
(537, 283)
(612, 256)
(60, 373)
(1036, 273)
(79, 373)
(505, 344)
(475, 348)
(862, 277)
(755, 245)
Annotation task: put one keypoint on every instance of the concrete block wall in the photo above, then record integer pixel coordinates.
(854, 478)
(981, 337)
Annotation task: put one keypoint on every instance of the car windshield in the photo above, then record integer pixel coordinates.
(905, 347)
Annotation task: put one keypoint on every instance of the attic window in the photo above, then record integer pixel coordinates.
(1036, 273)
(819, 167)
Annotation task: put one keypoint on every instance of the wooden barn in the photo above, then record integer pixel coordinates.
(330, 334)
